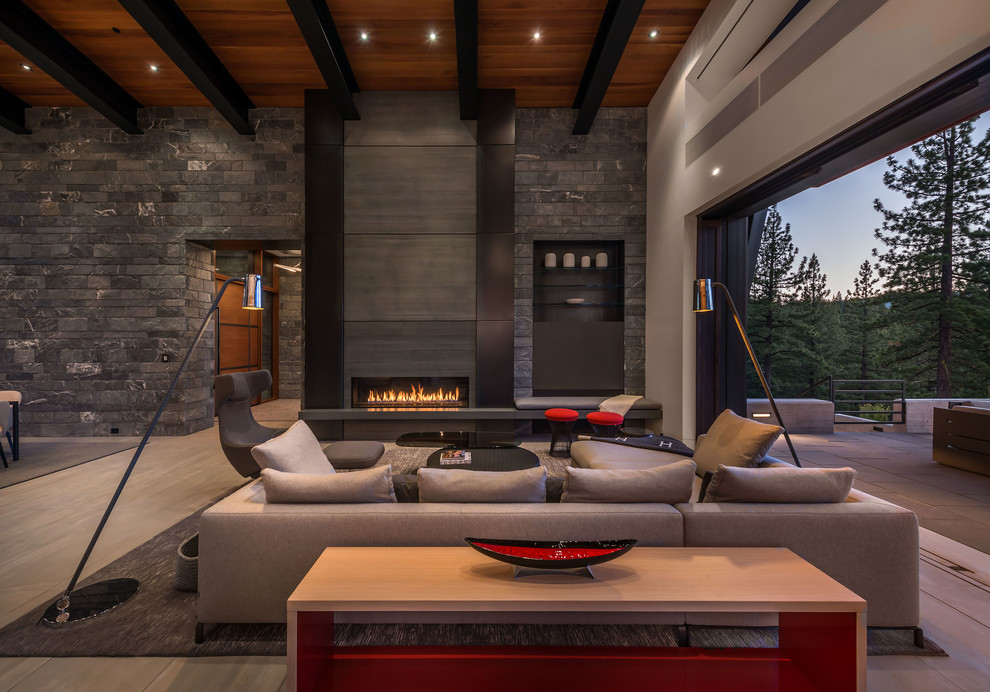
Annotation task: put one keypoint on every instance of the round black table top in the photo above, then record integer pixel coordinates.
(461, 439)
(490, 459)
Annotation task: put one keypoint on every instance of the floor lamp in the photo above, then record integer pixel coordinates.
(96, 599)
(703, 302)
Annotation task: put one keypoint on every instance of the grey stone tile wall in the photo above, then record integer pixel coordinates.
(290, 329)
(590, 187)
(97, 279)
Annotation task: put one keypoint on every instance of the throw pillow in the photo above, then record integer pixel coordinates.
(367, 485)
(461, 485)
(295, 451)
(670, 484)
(734, 441)
(777, 484)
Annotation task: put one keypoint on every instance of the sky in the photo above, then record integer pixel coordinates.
(836, 221)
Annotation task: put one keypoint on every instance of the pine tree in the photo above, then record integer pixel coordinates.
(768, 321)
(862, 322)
(936, 255)
(816, 319)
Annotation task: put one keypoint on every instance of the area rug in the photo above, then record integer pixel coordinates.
(160, 621)
(40, 456)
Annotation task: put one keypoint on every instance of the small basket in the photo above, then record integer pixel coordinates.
(187, 565)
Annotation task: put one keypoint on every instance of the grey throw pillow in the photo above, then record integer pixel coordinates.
(670, 484)
(730, 484)
(295, 451)
(460, 485)
(734, 441)
(367, 485)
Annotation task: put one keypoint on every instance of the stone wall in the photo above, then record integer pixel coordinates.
(290, 329)
(97, 277)
(590, 187)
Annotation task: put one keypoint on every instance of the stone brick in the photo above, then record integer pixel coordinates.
(100, 277)
(580, 188)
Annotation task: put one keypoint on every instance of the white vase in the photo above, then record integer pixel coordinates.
(585, 261)
(550, 260)
(568, 259)
(601, 260)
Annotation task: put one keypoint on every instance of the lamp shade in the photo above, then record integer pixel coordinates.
(252, 292)
(703, 295)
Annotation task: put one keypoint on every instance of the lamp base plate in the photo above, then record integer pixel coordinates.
(90, 601)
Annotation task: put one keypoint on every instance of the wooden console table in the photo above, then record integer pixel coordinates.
(822, 627)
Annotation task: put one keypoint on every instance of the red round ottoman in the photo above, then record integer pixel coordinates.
(561, 422)
(605, 424)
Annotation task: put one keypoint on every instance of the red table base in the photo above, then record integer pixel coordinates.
(817, 652)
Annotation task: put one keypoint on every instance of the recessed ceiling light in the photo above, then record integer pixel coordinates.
(654, 33)
(537, 35)
(27, 67)
(433, 36)
(364, 35)
(153, 68)
(716, 171)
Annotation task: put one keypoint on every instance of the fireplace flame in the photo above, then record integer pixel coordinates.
(415, 395)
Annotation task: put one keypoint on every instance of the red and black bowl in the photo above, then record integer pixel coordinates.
(551, 554)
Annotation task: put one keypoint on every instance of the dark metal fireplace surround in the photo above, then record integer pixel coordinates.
(409, 392)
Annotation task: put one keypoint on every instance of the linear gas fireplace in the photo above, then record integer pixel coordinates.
(409, 392)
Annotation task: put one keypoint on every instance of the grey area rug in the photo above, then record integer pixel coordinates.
(160, 621)
(40, 456)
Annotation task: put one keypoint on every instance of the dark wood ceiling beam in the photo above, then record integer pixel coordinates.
(38, 42)
(466, 27)
(616, 27)
(165, 22)
(12, 113)
(317, 27)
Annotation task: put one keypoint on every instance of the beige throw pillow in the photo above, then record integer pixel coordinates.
(670, 484)
(778, 484)
(367, 485)
(295, 451)
(461, 485)
(734, 441)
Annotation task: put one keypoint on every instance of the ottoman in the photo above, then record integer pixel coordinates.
(605, 423)
(354, 454)
(561, 423)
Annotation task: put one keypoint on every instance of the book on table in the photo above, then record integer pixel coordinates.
(453, 457)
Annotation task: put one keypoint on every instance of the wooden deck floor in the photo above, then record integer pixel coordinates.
(46, 522)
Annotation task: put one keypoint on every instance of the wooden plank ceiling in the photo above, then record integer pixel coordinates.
(261, 45)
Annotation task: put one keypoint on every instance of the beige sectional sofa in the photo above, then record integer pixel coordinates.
(252, 554)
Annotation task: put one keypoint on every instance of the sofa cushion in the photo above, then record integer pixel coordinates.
(460, 485)
(668, 484)
(592, 454)
(734, 441)
(407, 487)
(777, 485)
(368, 485)
(295, 451)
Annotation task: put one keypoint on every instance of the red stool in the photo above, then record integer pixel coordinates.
(561, 422)
(604, 423)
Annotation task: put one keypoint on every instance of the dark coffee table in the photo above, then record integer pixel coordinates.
(490, 451)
